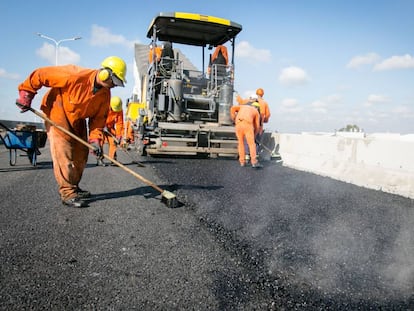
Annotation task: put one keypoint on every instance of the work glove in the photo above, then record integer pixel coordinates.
(24, 101)
(119, 139)
(124, 144)
(97, 148)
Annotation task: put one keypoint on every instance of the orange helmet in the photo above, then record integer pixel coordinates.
(260, 92)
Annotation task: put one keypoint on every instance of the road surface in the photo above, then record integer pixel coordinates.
(241, 239)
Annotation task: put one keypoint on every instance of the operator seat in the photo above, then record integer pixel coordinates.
(167, 59)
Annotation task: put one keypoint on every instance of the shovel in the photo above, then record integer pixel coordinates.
(273, 153)
(167, 197)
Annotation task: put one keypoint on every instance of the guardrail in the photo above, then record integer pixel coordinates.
(379, 161)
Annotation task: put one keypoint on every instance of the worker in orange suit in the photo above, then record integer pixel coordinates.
(154, 54)
(247, 124)
(76, 95)
(219, 57)
(129, 132)
(114, 126)
(264, 107)
(129, 127)
(264, 112)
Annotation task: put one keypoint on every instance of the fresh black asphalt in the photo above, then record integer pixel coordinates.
(241, 239)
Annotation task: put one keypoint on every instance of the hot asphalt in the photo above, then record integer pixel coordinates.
(241, 239)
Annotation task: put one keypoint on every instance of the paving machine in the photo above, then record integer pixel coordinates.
(182, 110)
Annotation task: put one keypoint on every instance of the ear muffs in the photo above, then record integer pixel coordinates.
(104, 74)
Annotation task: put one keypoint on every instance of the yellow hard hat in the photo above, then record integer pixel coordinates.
(116, 103)
(117, 66)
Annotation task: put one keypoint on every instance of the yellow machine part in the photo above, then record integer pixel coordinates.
(133, 110)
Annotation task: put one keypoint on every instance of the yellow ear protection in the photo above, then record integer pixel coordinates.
(105, 74)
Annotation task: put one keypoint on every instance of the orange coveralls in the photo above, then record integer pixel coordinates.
(247, 120)
(264, 109)
(71, 100)
(129, 132)
(223, 50)
(154, 54)
(114, 125)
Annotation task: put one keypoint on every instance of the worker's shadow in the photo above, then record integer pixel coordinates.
(148, 192)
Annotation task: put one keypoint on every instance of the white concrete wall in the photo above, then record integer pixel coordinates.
(381, 162)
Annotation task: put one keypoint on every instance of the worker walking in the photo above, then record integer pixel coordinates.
(247, 124)
(114, 126)
(76, 95)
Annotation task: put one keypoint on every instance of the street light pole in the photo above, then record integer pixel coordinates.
(57, 43)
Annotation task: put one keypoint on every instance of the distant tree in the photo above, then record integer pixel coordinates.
(350, 128)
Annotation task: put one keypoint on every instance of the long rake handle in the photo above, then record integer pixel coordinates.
(143, 179)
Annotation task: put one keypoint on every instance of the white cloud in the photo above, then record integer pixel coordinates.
(367, 59)
(322, 105)
(101, 36)
(245, 50)
(395, 62)
(403, 111)
(376, 99)
(377, 115)
(8, 75)
(319, 106)
(65, 55)
(293, 76)
(291, 105)
(333, 99)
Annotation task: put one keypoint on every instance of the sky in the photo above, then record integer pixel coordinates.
(323, 64)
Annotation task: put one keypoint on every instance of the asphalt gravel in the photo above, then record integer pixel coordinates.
(309, 241)
(241, 239)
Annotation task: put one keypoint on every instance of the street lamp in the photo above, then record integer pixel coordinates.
(57, 43)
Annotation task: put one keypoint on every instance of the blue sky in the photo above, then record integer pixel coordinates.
(322, 64)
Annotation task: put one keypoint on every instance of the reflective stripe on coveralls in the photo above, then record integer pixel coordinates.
(71, 100)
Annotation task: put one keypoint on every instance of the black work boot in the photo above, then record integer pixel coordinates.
(100, 162)
(75, 202)
(257, 165)
(83, 194)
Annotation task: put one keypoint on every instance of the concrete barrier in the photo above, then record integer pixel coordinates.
(381, 162)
